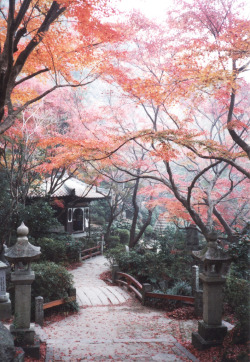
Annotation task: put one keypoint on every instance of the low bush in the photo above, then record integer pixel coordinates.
(150, 266)
(180, 288)
(39, 217)
(113, 241)
(97, 219)
(59, 249)
(149, 232)
(239, 252)
(52, 249)
(237, 289)
(52, 282)
(123, 235)
(237, 296)
(73, 249)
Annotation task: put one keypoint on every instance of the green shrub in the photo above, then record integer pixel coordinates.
(52, 249)
(237, 289)
(237, 295)
(39, 217)
(180, 288)
(52, 282)
(97, 219)
(59, 249)
(239, 252)
(113, 240)
(149, 232)
(123, 224)
(73, 249)
(123, 235)
(150, 266)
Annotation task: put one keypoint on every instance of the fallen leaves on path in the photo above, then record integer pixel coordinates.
(42, 354)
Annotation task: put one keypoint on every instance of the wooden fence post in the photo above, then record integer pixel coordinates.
(72, 292)
(39, 313)
(115, 269)
(195, 279)
(145, 288)
(102, 244)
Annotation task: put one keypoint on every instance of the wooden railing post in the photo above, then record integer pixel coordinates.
(115, 269)
(39, 313)
(145, 288)
(102, 244)
(72, 292)
(197, 292)
(195, 279)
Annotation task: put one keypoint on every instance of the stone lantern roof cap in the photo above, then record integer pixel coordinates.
(212, 251)
(22, 251)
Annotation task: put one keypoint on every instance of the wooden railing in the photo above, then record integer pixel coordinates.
(88, 253)
(182, 298)
(131, 283)
(57, 302)
(40, 306)
(144, 291)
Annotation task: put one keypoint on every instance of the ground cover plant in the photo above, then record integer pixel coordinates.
(164, 263)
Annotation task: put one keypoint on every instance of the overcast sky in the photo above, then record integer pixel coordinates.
(153, 8)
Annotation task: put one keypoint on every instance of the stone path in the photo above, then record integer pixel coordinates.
(111, 326)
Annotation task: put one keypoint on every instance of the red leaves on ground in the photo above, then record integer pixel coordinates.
(106, 277)
(57, 316)
(183, 313)
(74, 266)
(227, 352)
(42, 354)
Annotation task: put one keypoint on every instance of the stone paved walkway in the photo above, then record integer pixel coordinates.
(111, 326)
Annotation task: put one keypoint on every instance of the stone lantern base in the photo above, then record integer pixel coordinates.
(208, 335)
(27, 339)
(5, 307)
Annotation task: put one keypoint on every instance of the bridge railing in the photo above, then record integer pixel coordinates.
(131, 283)
(88, 253)
(144, 291)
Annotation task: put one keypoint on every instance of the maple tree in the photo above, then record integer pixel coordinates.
(196, 152)
(173, 84)
(118, 198)
(21, 158)
(47, 40)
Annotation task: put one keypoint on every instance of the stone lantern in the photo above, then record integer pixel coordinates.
(21, 255)
(211, 330)
(5, 304)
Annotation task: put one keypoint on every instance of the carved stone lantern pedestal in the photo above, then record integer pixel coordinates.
(211, 330)
(22, 254)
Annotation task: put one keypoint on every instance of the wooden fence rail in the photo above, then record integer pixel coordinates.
(144, 291)
(40, 306)
(55, 303)
(182, 298)
(96, 250)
